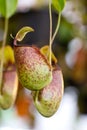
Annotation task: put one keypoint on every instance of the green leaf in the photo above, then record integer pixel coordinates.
(58, 5)
(22, 32)
(7, 7)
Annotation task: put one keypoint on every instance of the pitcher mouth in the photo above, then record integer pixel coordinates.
(18, 44)
(37, 50)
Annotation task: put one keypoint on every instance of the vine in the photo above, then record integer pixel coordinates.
(58, 5)
(2, 54)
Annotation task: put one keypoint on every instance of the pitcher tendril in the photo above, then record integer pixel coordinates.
(50, 46)
(3, 45)
(51, 38)
(57, 28)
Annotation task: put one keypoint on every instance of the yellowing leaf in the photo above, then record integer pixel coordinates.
(8, 55)
(45, 51)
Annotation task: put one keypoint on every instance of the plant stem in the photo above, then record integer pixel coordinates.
(50, 45)
(2, 54)
(57, 28)
(51, 38)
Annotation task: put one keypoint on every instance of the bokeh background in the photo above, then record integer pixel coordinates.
(70, 48)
